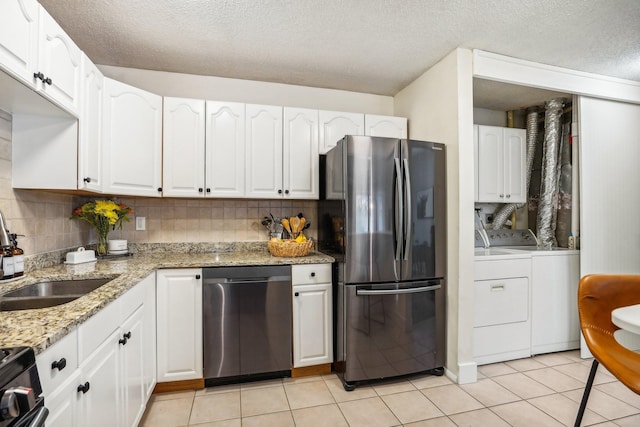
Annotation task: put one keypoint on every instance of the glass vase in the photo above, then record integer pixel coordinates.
(101, 247)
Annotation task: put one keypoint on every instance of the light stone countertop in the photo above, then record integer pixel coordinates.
(42, 327)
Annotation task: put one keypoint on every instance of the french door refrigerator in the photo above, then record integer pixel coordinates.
(383, 217)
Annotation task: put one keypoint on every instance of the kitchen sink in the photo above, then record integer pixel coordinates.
(48, 294)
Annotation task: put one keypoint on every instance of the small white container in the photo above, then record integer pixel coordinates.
(80, 256)
(117, 246)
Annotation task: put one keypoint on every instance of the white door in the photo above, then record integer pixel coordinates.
(132, 357)
(489, 166)
(515, 181)
(179, 334)
(100, 400)
(312, 331)
(183, 147)
(90, 128)
(149, 364)
(300, 153)
(19, 38)
(132, 138)
(60, 64)
(385, 126)
(225, 148)
(334, 125)
(64, 403)
(263, 133)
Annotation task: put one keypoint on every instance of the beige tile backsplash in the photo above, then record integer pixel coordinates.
(43, 217)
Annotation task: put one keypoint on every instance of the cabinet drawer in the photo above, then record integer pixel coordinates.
(501, 301)
(514, 267)
(94, 331)
(64, 354)
(501, 342)
(310, 274)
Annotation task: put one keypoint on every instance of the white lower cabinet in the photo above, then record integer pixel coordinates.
(555, 322)
(102, 380)
(312, 318)
(179, 314)
(502, 318)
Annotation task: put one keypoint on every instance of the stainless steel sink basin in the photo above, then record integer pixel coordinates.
(48, 294)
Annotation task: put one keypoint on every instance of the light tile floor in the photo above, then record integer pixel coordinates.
(535, 392)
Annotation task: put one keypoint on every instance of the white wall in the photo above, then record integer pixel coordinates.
(249, 91)
(439, 106)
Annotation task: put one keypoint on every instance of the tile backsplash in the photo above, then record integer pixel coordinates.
(43, 217)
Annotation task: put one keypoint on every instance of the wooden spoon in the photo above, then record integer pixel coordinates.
(295, 224)
(303, 221)
(285, 224)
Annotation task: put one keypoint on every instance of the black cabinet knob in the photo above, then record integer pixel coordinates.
(87, 179)
(123, 341)
(313, 274)
(208, 190)
(286, 191)
(84, 387)
(159, 189)
(127, 335)
(38, 75)
(297, 294)
(200, 190)
(59, 364)
(48, 81)
(279, 191)
(197, 277)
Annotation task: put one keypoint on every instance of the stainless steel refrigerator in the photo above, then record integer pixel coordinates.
(383, 217)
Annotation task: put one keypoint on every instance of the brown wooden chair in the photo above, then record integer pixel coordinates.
(598, 296)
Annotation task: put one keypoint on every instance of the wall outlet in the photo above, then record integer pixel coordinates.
(141, 223)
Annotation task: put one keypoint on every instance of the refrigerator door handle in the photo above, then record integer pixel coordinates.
(409, 230)
(399, 207)
(397, 291)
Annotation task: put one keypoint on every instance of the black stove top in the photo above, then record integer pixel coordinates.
(13, 362)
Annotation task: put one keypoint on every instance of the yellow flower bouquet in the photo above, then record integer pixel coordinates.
(103, 215)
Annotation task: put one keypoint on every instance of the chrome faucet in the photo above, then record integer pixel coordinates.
(5, 239)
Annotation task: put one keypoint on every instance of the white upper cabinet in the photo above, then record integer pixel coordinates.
(500, 164)
(90, 128)
(334, 125)
(58, 74)
(385, 126)
(225, 149)
(132, 138)
(183, 147)
(300, 153)
(19, 38)
(263, 135)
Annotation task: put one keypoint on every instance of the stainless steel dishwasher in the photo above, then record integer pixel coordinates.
(247, 323)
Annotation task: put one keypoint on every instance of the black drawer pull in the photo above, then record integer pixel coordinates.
(197, 277)
(313, 274)
(123, 341)
(127, 335)
(59, 364)
(84, 387)
(297, 294)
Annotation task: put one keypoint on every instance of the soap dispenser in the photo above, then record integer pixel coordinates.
(6, 251)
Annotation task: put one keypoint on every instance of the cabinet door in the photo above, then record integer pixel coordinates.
(132, 140)
(300, 153)
(334, 125)
(385, 126)
(312, 331)
(264, 151)
(64, 403)
(489, 164)
(149, 355)
(100, 403)
(183, 148)
(179, 335)
(19, 38)
(225, 148)
(515, 184)
(132, 357)
(90, 128)
(59, 62)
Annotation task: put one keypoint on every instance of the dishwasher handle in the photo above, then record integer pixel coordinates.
(248, 280)
(397, 291)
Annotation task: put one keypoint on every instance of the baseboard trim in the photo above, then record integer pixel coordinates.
(196, 384)
(311, 370)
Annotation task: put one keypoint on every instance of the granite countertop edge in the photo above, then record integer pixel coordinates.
(41, 328)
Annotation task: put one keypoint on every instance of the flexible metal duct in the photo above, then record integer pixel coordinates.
(500, 217)
(563, 222)
(549, 184)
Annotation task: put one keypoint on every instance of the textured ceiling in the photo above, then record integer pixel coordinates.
(373, 46)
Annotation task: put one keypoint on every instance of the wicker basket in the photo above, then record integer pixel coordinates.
(289, 248)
